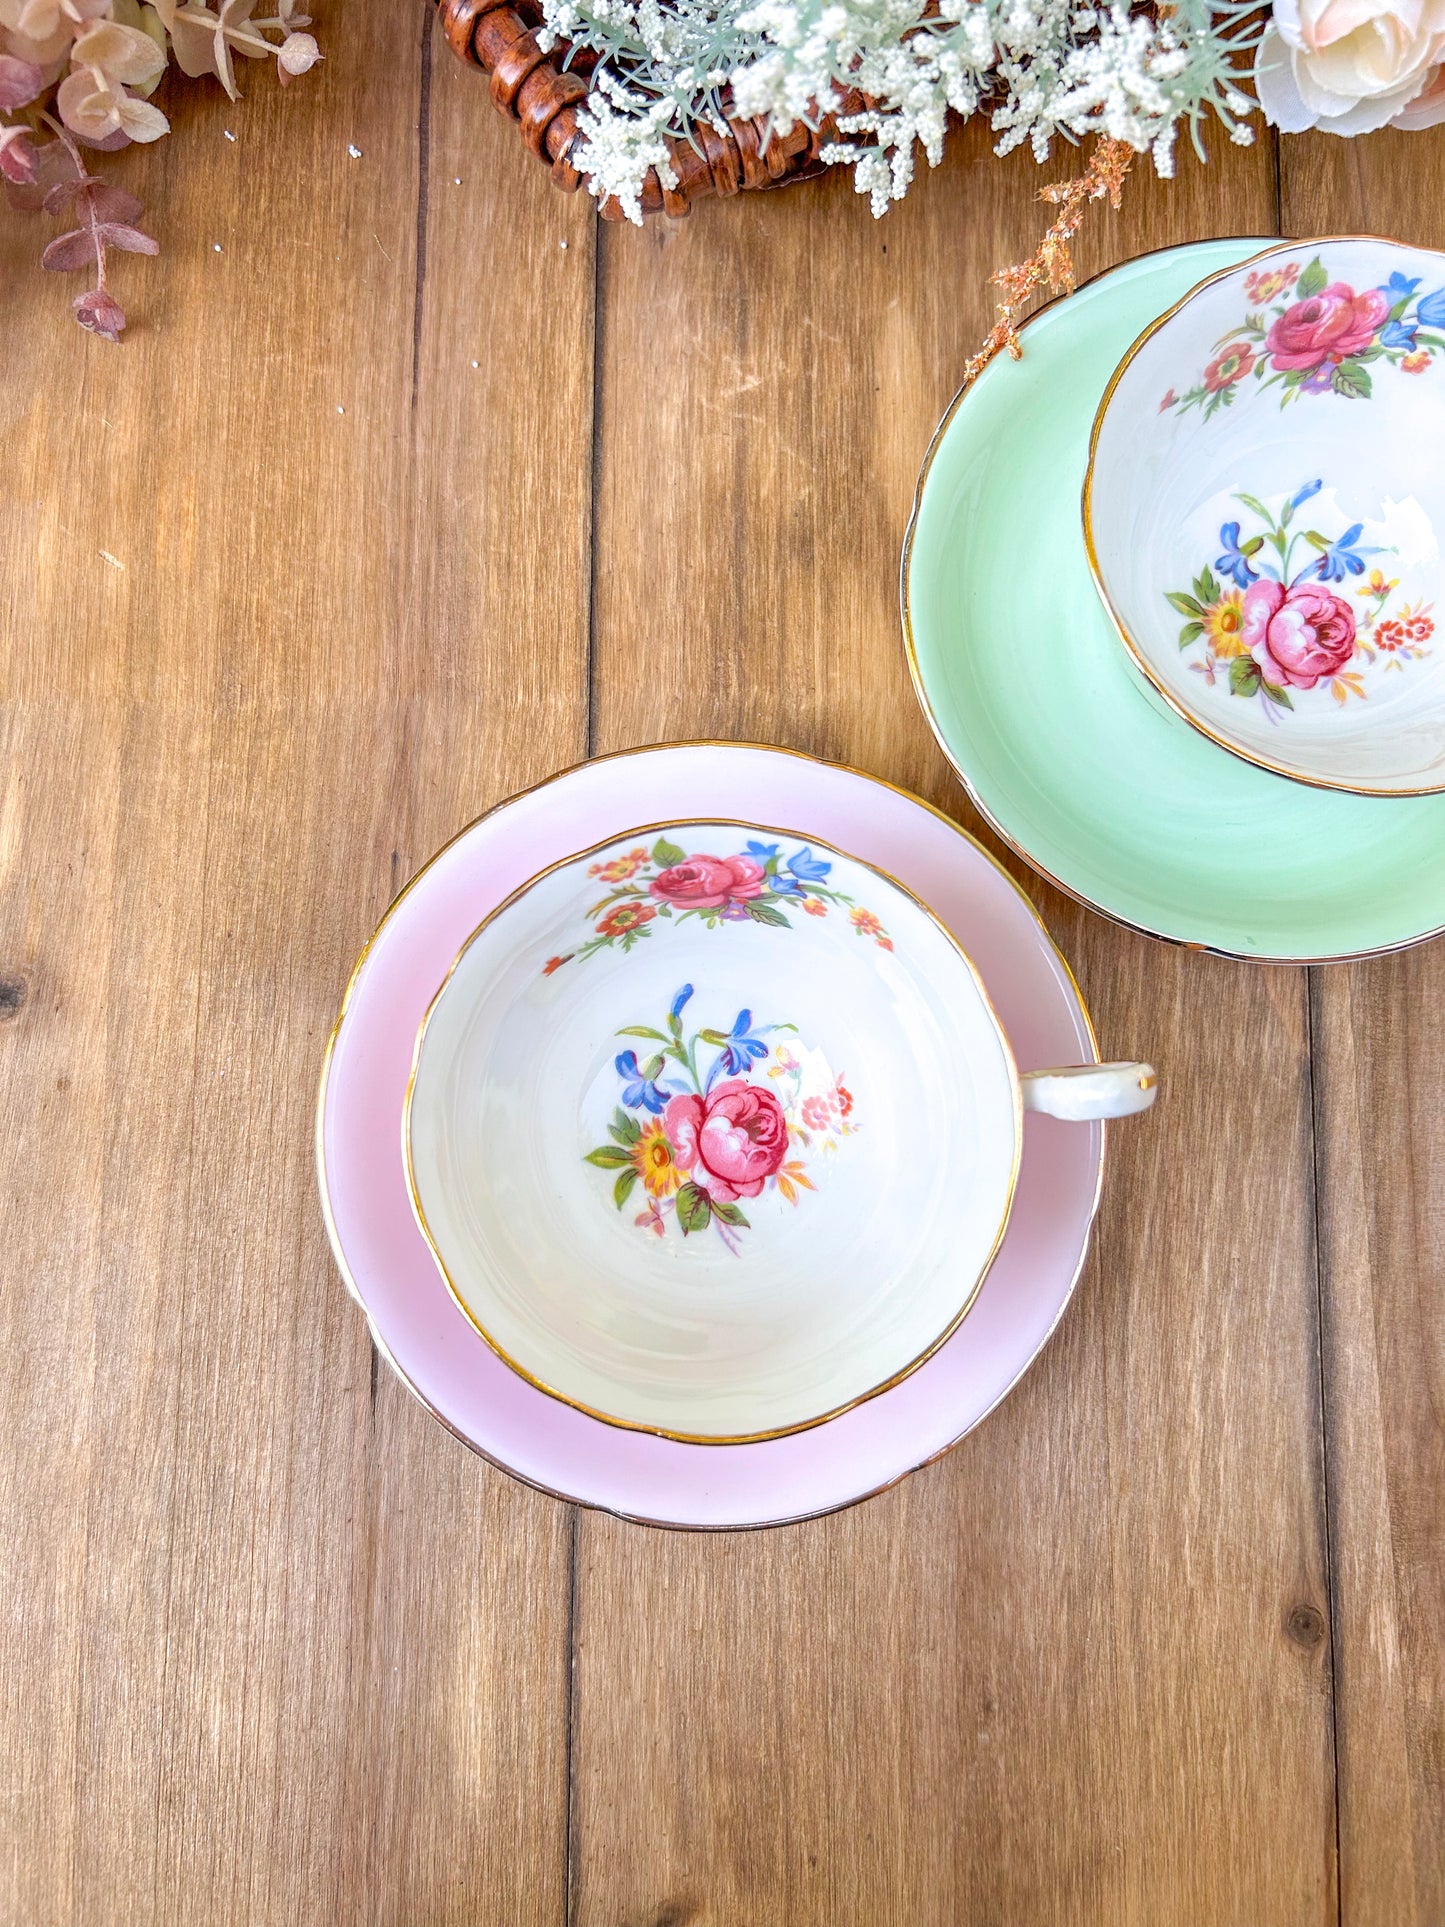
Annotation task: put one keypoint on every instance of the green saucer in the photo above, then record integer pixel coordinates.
(1038, 708)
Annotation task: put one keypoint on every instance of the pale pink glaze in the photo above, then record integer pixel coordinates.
(633, 1473)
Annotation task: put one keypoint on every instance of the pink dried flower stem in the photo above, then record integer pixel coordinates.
(106, 217)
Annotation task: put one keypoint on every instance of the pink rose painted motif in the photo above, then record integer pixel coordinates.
(697, 1133)
(1329, 326)
(731, 1141)
(1308, 335)
(1287, 620)
(1298, 635)
(709, 882)
(764, 883)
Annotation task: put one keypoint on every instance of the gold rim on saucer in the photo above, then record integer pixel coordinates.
(348, 1278)
(975, 797)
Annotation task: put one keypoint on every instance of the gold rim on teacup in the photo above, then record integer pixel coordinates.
(642, 832)
(1285, 245)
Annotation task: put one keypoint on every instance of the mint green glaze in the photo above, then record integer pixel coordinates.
(1038, 706)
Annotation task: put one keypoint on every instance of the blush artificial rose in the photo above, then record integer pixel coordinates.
(729, 1142)
(1328, 326)
(1299, 635)
(708, 882)
(1348, 66)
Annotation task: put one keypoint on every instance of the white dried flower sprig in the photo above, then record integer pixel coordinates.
(1039, 68)
(84, 71)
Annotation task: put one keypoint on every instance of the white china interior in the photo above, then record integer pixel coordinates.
(819, 1301)
(1165, 481)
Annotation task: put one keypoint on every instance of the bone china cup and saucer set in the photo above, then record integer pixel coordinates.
(718, 1167)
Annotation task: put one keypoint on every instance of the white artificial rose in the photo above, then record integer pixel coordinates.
(1348, 66)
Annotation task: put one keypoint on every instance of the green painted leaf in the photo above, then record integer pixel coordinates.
(694, 1208)
(1191, 632)
(730, 1214)
(641, 1030)
(1253, 502)
(1353, 381)
(1244, 676)
(1185, 604)
(608, 1157)
(1319, 541)
(1312, 280)
(652, 1067)
(665, 854)
(1276, 694)
(624, 1127)
(1252, 546)
(713, 1036)
(761, 912)
(623, 1188)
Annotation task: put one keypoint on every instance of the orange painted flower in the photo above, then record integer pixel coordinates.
(1168, 401)
(1268, 282)
(1223, 622)
(620, 868)
(866, 924)
(1416, 362)
(845, 1099)
(1230, 365)
(1418, 625)
(1389, 635)
(624, 917)
(815, 906)
(652, 1155)
(555, 963)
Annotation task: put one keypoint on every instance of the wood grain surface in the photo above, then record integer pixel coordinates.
(417, 490)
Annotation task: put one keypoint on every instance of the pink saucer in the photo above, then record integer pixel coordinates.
(390, 1272)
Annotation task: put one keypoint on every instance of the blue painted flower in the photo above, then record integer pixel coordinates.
(1234, 562)
(1304, 494)
(640, 1089)
(1397, 288)
(1398, 334)
(741, 1048)
(1431, 309)
(1319, 381)
(762, 851)
(806, 867)
(679, 1000)
(784, 886)
(1343, 557)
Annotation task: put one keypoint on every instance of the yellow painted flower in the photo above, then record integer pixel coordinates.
(1376, 584)
(652, 1154)
(1223, 625)
(865, 923)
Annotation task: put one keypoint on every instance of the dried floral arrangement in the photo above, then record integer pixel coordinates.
(880, 78)
(79, 74)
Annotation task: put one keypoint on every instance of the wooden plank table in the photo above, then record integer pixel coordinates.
(422, 487)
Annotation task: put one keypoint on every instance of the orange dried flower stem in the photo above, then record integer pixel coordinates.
(1050, 267)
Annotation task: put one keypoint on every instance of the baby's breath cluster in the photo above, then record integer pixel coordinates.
(1038, 68)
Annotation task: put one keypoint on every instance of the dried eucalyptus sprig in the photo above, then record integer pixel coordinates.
(86, 70)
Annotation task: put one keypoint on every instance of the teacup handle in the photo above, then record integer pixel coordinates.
(1085, 1091)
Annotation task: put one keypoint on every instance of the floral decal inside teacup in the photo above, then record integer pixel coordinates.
(699, 1129)
(757, 884)
(1279, 627)
(1308, 335)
